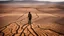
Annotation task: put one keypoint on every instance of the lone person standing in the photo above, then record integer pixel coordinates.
(29, 18)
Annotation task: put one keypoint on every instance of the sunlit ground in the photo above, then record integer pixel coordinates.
(47, 20)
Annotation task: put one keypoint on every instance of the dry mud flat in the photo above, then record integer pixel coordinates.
(15, 29)
(41, 26)
(45, 25)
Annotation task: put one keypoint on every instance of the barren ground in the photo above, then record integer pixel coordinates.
(47, 20)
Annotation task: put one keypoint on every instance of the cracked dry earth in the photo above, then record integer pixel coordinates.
(43, 26)
(16, 29)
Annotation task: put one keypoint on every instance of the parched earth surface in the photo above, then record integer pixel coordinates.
(46, 21)
(15, 29)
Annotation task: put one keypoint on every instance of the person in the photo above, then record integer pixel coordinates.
(29, 18)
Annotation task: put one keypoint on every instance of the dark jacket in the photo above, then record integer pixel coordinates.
(29, 16)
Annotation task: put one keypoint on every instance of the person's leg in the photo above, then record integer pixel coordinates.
(29, 22)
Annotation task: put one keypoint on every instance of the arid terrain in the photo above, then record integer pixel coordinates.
(47, 20)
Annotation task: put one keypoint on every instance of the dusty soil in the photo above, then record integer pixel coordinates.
(46, 20)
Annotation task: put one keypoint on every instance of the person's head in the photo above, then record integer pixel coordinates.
(29, 12)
